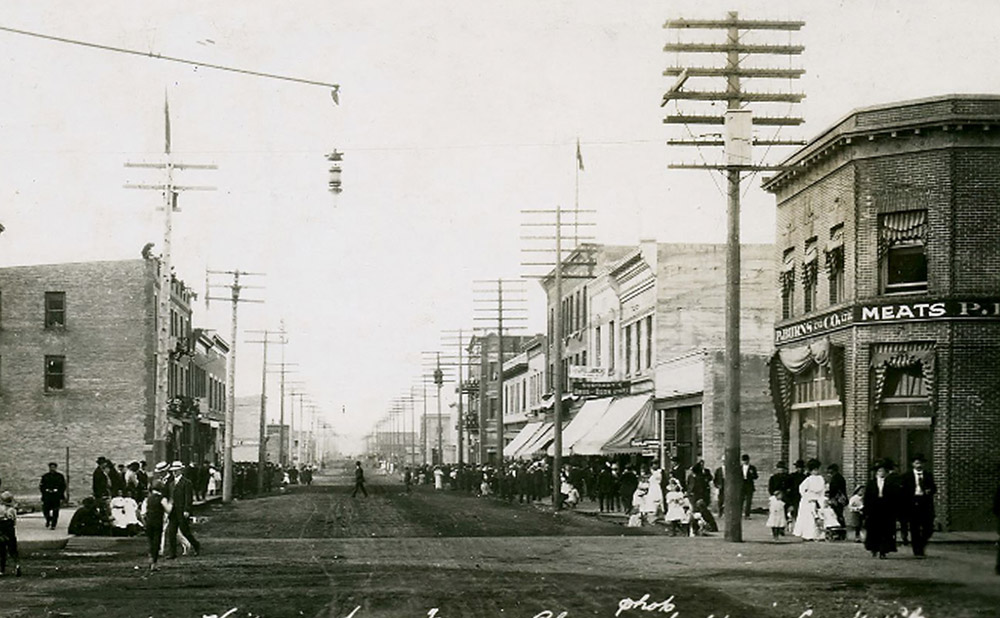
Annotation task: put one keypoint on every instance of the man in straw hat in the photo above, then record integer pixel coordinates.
(180, 515)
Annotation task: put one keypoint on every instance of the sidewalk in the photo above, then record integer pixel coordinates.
(754, 529)
(32, 535)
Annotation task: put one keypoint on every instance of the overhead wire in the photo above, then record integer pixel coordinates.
(157, 56)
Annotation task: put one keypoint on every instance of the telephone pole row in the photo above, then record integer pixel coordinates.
(235, 288)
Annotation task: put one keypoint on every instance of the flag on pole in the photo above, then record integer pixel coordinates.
(579, 155)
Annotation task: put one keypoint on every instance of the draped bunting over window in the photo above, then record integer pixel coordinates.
(810, 265)
(789, 362)
(786, 278)
(902, 356)
(834, 252)
(900, 227)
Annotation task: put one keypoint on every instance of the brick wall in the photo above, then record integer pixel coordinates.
(107, 342)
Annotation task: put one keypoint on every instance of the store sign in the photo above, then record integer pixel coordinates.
(968, 309)
(644, 443)
(946, 309)
(601, 389)
(580, 372)
(814, 326)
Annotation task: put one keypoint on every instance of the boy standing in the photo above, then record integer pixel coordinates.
(8, 533)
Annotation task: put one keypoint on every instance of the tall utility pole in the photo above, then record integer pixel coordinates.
(455, 338)
(557, 275)
(499, 312)
(282, 371)
(262, 430)
(170, 192)
(738, 141)
(235, 287)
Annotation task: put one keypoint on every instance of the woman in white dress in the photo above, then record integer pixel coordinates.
(654, 497)
(812, 490)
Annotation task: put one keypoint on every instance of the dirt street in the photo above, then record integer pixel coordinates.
(318, 552)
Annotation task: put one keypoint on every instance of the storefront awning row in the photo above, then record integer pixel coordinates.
(626, 418)
(582, 423)
(527, 432)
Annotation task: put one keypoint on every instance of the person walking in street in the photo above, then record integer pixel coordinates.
(8, 534)
(880, 511)
(182, 497)
(408, 478)
(747, 487)
(53, 488)
(359, 480)
(918, 491)
(154, 510)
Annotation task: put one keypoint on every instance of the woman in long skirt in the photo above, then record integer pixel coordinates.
(880, 512)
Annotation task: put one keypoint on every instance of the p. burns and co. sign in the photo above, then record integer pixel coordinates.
(886, 313)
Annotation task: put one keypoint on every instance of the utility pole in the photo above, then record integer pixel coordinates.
(556, 276)
(235, 287)
(738, 141)
(262, 430)
(499, 312)
(459, 343)
(170, 192)
(281, 397)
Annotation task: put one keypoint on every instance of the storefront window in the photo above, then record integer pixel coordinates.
(904, 416)
(817, 427)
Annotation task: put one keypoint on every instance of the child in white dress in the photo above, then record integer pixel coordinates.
(776, 519)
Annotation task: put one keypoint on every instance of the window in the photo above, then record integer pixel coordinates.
(597, 346)
(583, 358)
(55, 309)
(817, 418)
(901, 251)
(649, 341)
(628, 349)
(835, 264)
(809, 276)
(787, 281)
(54, 373)
(611, 347)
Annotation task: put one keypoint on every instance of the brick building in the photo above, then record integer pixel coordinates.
(888, 342)
(77, 370)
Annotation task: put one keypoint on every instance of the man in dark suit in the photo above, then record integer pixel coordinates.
(996, 513)
(746, 488)
(53, 488)
(778, 480)
(182, 496)
(918, 491)
(627, 486)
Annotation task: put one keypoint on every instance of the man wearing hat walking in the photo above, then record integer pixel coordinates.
(53, 488)
(180, 515)
(918, 503)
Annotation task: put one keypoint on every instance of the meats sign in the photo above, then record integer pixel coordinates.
(966, 309)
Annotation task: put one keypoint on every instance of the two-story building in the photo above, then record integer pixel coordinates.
(78, 365)
(889, 330)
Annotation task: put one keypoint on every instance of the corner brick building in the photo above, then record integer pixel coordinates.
(77, 370)
(888, 338)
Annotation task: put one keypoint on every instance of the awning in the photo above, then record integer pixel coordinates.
(585, 419)
(527, 432)
(626, 418)
(538, 443)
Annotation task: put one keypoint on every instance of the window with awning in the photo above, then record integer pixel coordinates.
(901, 247)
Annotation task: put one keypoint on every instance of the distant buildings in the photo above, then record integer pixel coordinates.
(888, 336)
(642, 342)
(77, 370)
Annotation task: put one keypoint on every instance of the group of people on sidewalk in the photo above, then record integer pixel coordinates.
(818, 508)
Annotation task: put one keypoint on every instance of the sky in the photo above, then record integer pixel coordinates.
(454, 116)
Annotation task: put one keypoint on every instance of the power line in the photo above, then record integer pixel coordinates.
(156, 56)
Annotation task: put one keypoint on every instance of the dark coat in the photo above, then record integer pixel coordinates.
(53, 487)
(628, 485)
(749, 478)
(778, 481)
(182, 496)
(917, 506)
(101, 484)
(880, 516)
